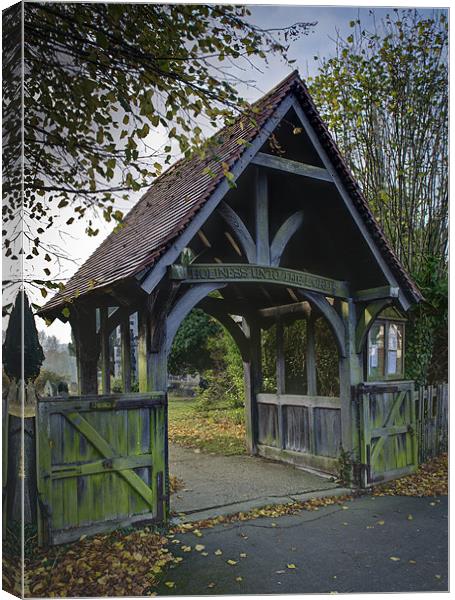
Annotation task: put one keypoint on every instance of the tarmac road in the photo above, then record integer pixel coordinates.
(376, 544)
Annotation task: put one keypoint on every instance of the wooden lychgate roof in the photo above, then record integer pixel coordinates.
(175, 198)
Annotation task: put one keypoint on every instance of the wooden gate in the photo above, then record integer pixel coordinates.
(388, 431)
(101, 463)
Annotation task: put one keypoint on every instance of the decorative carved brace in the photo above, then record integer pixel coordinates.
(333, 318)
(248, 246)
(183, 306)
(367, 316)
(216, 309)
(283, 236)
(159, 304)
(238, 226)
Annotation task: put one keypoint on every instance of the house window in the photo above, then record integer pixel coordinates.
(385, 350)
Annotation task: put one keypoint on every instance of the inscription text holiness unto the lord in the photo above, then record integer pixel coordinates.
(268, 274)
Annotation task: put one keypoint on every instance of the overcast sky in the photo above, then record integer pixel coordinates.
(320, 42)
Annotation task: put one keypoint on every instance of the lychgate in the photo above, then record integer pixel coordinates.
(268, 229)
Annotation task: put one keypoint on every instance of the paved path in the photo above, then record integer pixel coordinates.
(222, 484)
(333, 550)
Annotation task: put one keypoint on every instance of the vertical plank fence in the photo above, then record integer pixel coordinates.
(432, 417)
(301, 430)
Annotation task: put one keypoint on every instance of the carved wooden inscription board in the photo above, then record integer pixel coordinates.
(258, 274)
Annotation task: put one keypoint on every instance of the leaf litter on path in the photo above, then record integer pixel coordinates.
(430, 479)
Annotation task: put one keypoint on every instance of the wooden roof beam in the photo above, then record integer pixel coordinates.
(204, 238)
(291, 166)
(285, 310)
(233, 243)
(377, 293)
(266, 293)
(228, 306)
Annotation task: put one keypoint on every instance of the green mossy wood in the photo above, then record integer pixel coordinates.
(101, 464)
(389, 442)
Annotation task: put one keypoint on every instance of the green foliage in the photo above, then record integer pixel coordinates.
(203, 346)
(327, 368)
(234, 370)
(225, 381)
(5, 380)
(384, 97)
(294, 342)
(427, 331)
(216, 392)
(117, 385)
(345, 463)
(191, 352)
(268, 355)
(103, 83)
(46, 375)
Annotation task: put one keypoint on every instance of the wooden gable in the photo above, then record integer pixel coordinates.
(301, 170)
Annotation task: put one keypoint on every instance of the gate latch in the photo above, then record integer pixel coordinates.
(108, 405)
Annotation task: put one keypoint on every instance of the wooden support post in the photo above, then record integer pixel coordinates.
(83, 324)
(351, 374)
(105, 358)
(126, 353)
(157, 373)
(310, 360)
(158, 368)
(311, 356)
(143, 354)
(253, 380)
(152, 376)
(262, 218)
(280, 379)
(157, 361)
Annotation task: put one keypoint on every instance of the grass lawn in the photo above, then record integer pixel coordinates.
(218, 431)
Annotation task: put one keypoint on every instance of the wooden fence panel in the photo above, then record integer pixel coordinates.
(298, 434)
(100, 463)
(432, 411)
(303, 430)
(268, 424)
(327, 431)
